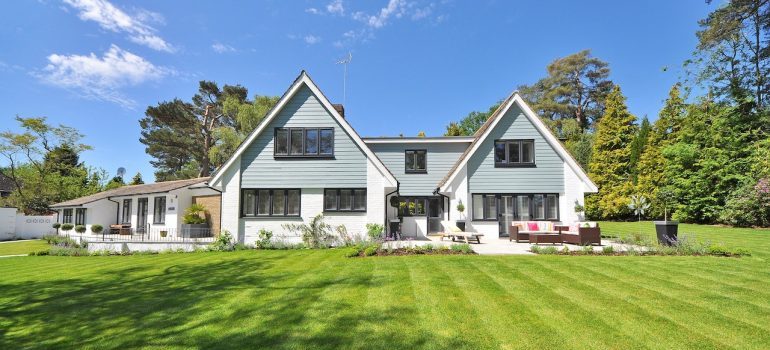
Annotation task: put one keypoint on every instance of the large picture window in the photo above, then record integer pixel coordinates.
(514, 153)
(126, 211)
(80, 216)
(304, 142)
(66, 216)
(524, 206)
(270, 202)
(159, 210)
(345, 199)
(416, 161)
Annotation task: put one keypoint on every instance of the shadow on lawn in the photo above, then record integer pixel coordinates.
(181, 306)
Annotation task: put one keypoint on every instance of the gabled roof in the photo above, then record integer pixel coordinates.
(489, 125)
(159, 187)
(303, 79)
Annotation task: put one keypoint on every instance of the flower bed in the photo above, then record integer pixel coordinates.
(428, 249)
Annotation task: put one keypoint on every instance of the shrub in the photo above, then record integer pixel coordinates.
(428, 247)
(224, 242)
(370, 250)
(66, 227)
(192, 215)
(264, 239)
(608, 250)
(462, 248)
(39, 253)
(565, 250)
(588, 250)
(352, 252)
(80, 229)
(315, 234)
(68, 251)
(717, 249)
(374, 231)
(535, 249)
(56, 225)
(97, 229)
(549, 250)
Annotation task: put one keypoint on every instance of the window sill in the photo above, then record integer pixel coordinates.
(345, 211)
(484, 220)
(507, 165)
(274, 217)
(303, 157)
(416, 172)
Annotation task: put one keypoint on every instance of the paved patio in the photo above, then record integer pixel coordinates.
(496, 245)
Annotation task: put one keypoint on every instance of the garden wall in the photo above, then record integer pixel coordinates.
(121, 247)
(15, 225)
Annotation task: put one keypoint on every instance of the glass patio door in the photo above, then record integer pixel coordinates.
(505, 214)
(141, 220)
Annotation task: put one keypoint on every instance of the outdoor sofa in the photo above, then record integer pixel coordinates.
(580, 233)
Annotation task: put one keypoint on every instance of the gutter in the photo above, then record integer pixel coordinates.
(117, 210)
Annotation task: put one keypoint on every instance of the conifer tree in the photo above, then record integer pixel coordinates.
(137, 180)
(609, 166)
(652, 163)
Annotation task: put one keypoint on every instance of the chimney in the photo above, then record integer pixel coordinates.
(339, 108)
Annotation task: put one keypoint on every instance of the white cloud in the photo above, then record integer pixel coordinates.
(335, 7)
(101, 77)
(395, 8)
(312, 39)
(114, 19)
(222, 48)
(314, 11)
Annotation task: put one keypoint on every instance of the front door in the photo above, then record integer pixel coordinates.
(141, 221)
(505, 215)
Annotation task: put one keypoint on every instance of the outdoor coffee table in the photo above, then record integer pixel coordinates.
(537, 238)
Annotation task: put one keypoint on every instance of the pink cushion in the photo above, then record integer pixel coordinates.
(573, 228)
(532, 226)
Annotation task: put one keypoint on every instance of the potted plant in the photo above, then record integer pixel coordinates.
(580, 210)
(67, 227)
(461, 209)
(666, 230)
(163, 233)
(195, 224)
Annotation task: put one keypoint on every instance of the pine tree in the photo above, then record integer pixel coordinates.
(638, 146)
(652, 163)
(609, 166)
(137, 180)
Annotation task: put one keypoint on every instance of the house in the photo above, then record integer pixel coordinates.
(305, 159)
(147, 208)
(6, 185)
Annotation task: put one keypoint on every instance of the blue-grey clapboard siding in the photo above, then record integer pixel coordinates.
(261, 170)
(546, 177)
(440, 158)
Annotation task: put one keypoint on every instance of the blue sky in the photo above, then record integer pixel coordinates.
(96, 65)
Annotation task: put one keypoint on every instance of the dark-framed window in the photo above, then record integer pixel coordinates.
(421, 206)
(529, 206)
(514, 153)
(80, 216)
(126, 211)
(303, 142)
(270, 202)
(344, 199)
(66, 217)
(416, 161)
(159, 210)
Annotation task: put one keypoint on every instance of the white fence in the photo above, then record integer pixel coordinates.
(15, 225)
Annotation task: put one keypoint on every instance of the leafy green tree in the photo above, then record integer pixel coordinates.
(137, 180)
(575, 88)
(115, 182)
(610, 162)
(248, 114)
(471, 123)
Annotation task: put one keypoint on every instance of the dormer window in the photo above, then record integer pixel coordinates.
(416, 161)
(304, 143)
(514, 153)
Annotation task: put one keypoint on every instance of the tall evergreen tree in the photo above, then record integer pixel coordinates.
(638, 146)
(652, 163)
(609, 166)
(137, 180)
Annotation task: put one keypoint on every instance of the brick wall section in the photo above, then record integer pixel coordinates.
(214, 207)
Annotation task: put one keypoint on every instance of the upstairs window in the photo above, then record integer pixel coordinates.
(304, 142)
(416, 161)
(513, 153)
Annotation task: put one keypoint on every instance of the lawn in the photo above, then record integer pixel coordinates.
(319, 299)
(22, 247)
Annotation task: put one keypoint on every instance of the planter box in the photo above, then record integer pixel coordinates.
(196, 230)
(667, 231)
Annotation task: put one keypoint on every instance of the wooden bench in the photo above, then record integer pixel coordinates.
(121, 229)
